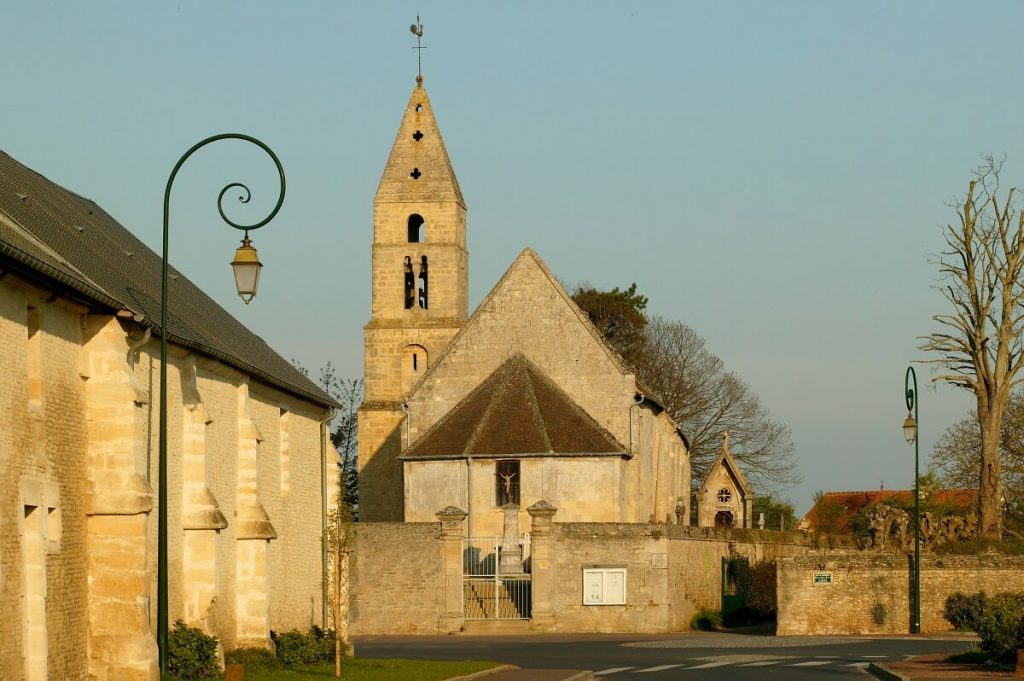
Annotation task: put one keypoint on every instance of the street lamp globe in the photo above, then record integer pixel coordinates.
(910, 429)
(246, 266)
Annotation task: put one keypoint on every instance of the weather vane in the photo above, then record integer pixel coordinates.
(417, 30)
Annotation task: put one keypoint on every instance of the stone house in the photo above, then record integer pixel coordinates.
(725, 499)
(521, 402)
(79, 375)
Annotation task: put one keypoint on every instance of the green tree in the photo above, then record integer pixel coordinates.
(618, 314)
(978, 346)
(778, 513)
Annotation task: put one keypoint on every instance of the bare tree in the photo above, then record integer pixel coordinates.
(705, 400)
(979, 345)
(958, 452)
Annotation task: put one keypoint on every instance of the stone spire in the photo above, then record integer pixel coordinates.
(418, 168)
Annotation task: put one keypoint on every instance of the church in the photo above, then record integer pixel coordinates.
(521, 402)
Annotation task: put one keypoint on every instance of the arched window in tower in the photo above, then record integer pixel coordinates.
(414, 364)
(423, 282)
(410, 284)
(417, 232)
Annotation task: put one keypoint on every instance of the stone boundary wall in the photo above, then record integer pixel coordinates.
(396, 579)
(870, 593)
(672, 571)
(402, 574)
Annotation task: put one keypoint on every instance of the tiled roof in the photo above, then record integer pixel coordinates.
(50, 233)
(848, 504)
(517, 410)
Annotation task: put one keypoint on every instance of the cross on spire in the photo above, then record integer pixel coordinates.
(417, 30)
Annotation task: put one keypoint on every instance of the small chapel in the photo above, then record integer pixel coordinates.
(521, 402)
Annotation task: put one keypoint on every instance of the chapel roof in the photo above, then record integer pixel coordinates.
(418, 168)
(725, 460)
(515, 411)
(51, 234)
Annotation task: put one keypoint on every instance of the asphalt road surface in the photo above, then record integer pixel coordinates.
(697, 656)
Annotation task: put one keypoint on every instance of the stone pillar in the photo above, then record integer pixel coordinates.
(511, 562)
(121, 645)
(452, 520)
(540, 561)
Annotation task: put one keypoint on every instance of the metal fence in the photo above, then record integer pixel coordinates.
(495, 582)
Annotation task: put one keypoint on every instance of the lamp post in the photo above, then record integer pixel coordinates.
(911, 435)
(246, 266)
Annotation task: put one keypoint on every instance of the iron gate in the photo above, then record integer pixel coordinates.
(495, 580)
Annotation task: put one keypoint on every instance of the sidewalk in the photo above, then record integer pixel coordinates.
(934, 668)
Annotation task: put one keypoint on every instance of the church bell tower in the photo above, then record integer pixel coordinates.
(419, 295)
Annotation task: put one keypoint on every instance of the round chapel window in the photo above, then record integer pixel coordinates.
(725, 495)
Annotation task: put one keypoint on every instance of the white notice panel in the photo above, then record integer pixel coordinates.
(604, 586)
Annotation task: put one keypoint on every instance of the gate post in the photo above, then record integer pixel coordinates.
(451, 519)
(540, 563)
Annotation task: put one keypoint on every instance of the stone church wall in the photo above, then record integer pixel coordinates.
(870, 593)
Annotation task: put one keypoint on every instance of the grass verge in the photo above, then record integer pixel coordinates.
(364, 669)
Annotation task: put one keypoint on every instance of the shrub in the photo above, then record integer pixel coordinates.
(963, 611)
(191, 653)
(1001, 625)
(253, 658)
(706, 619)
(294, 647)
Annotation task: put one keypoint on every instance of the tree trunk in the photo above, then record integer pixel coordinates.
(990, 487)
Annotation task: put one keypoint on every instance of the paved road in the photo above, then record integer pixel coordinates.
(697, 656)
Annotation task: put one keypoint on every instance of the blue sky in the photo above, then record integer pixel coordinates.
(772, 174)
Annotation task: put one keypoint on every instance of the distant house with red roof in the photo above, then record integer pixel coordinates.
(835, 511)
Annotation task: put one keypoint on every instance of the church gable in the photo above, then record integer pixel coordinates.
(528, 312)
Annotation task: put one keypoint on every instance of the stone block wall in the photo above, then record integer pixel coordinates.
(399, 582)
(396, 579)
(78, 465)
(870, 593)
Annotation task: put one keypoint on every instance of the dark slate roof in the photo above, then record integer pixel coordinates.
(67, 241)
(517, 410)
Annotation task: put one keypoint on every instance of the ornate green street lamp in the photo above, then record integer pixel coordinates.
(246, 266)
(910, 433)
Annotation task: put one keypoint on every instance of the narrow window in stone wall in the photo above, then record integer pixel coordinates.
(34, 589)
(506, 481)
(417, 232)
(285, 452)
(34, 347)
(410, 284)
(423, 282)
(414, 363)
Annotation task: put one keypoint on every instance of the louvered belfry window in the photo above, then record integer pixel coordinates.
(506, 481)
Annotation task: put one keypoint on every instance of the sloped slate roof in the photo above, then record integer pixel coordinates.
(517, 410)
(68, 241)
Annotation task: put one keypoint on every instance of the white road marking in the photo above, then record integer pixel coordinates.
(763, 663)
(874, 657)
(709, 665)
(810, 663)
(657, 669)
(611, 671)
(859, 665)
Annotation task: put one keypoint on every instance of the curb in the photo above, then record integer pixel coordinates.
(483, 674)
(881, 672)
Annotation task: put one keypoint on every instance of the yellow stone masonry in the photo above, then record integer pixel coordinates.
(78, 460)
